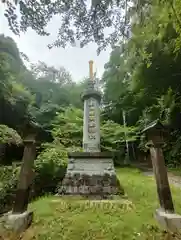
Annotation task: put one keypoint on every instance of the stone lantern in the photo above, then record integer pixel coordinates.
(30, 133)
(155, 136)
(155, 133)
(20, 218)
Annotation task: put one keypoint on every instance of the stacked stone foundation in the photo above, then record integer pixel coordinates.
(90, 174)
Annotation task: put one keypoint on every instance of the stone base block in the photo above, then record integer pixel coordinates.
(169, 221)
(83, 184)
(17, 222)
(90, 174)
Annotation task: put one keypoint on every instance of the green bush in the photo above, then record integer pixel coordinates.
(9, 135)
(8, 183)
(50, 168)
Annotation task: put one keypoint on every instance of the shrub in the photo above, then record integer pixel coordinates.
(8, 183)
(50, 168)
(9, 135)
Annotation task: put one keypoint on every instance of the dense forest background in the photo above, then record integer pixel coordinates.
(141, 81)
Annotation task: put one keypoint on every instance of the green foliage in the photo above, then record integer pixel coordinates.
(53, 152)
(75, 90)
(68, 130)
(4, 76)
(52, 89)
(10, 49)
(20, 93)
(143, 73)
(50, 168)
(9, 136)
(68, 127)
(8, 182)
(45, 114)
(37, 95)
(81, 21)
(173, 149)
(15, 97)
(113, 135)
(43, 72)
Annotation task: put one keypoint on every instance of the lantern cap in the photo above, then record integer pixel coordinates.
(32, 126)
(154, 125)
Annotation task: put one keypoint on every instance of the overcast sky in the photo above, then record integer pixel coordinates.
(73, 59)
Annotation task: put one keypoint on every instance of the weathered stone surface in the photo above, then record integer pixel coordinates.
(89, 190)
(90, 163)
(85, 155)
(21, 200)
(160, 172)
(17, 222)
(155, 140)
(91, 177)
(25, 176)
(91, 124)
(88, 93)
(169, 221)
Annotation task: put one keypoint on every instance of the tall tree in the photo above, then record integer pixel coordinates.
(148, 65)
(59, 75)
(80, 20)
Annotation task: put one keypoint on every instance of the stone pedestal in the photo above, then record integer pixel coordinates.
(168, 221)
(89, 174)
(16, 222)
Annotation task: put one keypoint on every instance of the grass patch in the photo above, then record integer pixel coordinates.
(129, 219)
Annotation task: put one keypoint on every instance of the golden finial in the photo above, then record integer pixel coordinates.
(91, 75)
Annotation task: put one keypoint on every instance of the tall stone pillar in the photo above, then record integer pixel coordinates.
(91, 172)
(91, 128)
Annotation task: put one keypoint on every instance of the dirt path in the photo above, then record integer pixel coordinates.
(174, 180)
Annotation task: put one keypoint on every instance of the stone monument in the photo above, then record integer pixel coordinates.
(91, 172)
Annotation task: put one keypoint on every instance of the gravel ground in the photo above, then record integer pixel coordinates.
(175, 180)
